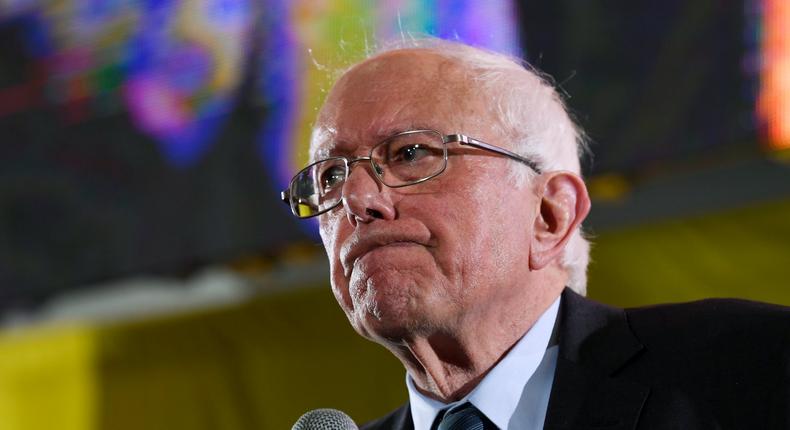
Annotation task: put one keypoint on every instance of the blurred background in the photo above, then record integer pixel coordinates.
(151, 278)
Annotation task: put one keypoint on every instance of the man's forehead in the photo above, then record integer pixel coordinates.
(327, 140)
(395, 91)
(402, 63)
(321, 135)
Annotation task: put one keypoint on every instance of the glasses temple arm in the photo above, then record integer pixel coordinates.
(468, 141)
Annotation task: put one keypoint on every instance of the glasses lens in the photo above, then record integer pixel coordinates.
(316, 188)
(409, 157)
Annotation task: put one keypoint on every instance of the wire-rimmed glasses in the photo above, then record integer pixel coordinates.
(404, 159)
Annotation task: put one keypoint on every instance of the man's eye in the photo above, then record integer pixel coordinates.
(331, 177)
(410, 153)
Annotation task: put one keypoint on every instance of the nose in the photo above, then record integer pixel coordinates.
(364, 197)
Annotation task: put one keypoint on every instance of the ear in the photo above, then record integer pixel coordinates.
(564, 203)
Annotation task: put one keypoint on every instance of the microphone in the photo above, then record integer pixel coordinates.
(324, 419)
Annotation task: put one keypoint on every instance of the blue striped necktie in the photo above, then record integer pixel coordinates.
(465, 417)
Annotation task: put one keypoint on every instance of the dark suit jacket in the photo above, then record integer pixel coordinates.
(709, 364)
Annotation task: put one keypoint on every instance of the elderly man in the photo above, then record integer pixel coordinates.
(447, 187)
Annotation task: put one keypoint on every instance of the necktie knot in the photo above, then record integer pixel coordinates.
(465, 417)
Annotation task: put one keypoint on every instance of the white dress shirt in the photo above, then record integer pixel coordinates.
(515, 393)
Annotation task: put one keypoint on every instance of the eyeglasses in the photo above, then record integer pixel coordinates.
(404, 159)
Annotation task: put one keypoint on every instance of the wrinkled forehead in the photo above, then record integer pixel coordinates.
(319, 139)
(392, 92)
(327, 141)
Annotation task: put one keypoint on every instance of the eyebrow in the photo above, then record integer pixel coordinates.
(378, 136)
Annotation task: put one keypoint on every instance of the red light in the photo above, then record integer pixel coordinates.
(773, 103)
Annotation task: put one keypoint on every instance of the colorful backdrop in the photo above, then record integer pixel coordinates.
(152, 138)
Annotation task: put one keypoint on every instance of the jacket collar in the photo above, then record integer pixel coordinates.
(595, 343)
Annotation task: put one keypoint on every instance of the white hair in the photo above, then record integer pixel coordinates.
(532, 114)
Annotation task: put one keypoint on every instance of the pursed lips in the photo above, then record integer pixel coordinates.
(357, 247)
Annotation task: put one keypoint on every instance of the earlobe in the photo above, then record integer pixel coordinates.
(564, 203)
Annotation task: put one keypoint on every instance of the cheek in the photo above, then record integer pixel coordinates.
(334, 230)
(330, 231)
(489, 234)
(510, 231)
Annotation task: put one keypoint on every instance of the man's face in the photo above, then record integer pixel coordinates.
(430, 257)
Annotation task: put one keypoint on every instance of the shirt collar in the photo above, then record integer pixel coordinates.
(497, 395)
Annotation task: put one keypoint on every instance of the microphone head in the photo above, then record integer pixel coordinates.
(324, 419)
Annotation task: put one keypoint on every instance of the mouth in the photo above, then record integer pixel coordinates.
(398, 244)
(355, 250)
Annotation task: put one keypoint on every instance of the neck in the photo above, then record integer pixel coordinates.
(448, 364)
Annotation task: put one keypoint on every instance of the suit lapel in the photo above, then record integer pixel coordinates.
(399, 419)
(595, 343)
(404, 421)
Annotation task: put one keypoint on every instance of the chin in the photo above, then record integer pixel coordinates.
(383, 330)
(389, 302)
(391, 318)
